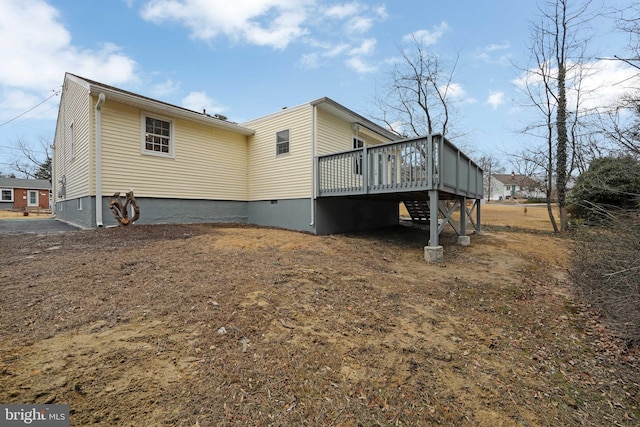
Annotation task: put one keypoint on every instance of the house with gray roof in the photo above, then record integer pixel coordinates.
(24, 194)
(513, 186)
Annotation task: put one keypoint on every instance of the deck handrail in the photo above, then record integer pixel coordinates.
(429, 162)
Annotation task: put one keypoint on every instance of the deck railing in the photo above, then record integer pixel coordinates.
(417, 164)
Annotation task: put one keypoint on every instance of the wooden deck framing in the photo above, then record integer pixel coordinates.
(417, 170)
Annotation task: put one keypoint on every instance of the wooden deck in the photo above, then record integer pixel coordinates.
(422, 171)
(418, 164)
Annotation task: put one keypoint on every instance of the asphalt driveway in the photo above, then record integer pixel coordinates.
(48, 225)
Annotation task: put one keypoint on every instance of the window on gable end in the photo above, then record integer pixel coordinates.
(282, 142)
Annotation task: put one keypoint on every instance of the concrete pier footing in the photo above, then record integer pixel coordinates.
(434, 254)
(464, 240)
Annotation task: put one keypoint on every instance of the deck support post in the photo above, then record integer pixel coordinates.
(463, 239)
(433, 252)
(478, 223)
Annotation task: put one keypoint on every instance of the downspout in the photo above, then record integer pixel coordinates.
(99, 104)
(54, 187)
(313, 165)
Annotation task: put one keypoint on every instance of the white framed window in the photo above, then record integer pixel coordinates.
(6, 195)
(32, 198)
(282, 142)
(157, 136)
(357, 164)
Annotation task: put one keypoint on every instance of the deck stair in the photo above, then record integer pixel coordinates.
(418, 209)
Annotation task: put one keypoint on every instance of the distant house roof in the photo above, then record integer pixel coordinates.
(511, 179)
(30, 184)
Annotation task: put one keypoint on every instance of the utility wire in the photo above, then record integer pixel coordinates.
(56, 93)
(9, 148)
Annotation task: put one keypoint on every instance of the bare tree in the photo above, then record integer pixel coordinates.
(616, 124)
(35, 163)
(490, 165)
(416, 98)
(629, 21)
(539, 94)
(558, 50)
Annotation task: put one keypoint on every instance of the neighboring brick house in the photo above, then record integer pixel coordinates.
(24, 194)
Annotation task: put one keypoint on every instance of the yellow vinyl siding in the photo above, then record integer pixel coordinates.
(76, 169)
(336, 135)
(285, 176)
(207, 163)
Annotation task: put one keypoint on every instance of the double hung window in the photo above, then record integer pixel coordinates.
(6, 195)
(157, 136)
(282, 142)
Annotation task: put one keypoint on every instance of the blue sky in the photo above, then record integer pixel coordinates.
(249, 58)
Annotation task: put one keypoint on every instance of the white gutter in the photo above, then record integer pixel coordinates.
(99, 104)
(168, 109)
(313, 164)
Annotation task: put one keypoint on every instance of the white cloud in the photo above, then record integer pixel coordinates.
(164, 89)
(366, 48)
(36, 50)
(273, 23)
(359, 25)
(309, 61)
(427, 37)
(199, 101)
(341, 30)
(359, 65)
(342, 11)
(336, 50)
(495, 54)
(503, 46)
(604, 82)
(495, 99)
(381, 12)
(455, 90)
(396, 126)
(357, 57)
(457, 93)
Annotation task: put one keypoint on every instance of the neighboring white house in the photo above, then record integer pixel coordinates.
(512, 186)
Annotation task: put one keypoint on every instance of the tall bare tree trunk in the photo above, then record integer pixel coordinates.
(552, 218)
(561, 111)
(561, 159)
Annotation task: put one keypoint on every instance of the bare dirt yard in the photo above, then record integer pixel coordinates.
(220, 325)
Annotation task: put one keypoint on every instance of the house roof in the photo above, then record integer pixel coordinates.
(339, 110)
(511, 179)
(157, 106)
(30, 184)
